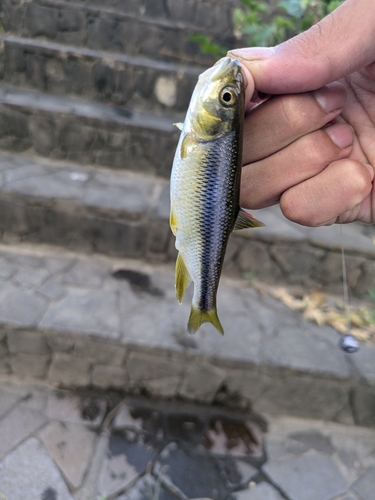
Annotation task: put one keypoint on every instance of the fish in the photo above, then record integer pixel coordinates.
(205, 187)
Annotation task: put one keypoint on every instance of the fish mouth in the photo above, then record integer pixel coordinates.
(225, 66)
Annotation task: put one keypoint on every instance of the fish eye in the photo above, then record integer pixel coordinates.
(228, 97)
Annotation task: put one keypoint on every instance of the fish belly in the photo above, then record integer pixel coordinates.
(204, 196)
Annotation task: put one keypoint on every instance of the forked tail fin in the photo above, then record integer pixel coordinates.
(198, 317)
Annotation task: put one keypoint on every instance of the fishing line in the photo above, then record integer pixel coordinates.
(348, 342)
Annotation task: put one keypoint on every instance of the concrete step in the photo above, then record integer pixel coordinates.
(84, 208)
(121, 213)
(135, 31)
(87, 132)
(72, 320)
(135, 82)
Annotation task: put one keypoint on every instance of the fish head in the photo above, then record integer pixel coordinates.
(217, 104)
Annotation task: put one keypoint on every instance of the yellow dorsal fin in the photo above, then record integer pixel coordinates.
(246, 220)
(182, 279)
(198, 317)
(179, 125)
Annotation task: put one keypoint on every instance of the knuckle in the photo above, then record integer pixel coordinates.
(359, 177)
(296, 111)
(295, 208)
(318, 150)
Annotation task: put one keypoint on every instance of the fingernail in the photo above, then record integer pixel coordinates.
(341, 134)
(329, 99)
(252, 54)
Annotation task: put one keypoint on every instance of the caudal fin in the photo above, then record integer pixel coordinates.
(198, 317)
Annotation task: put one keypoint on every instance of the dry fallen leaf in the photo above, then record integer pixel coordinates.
(327, 310)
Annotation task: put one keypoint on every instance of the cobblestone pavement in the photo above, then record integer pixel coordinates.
(63, 445)
(89, 321)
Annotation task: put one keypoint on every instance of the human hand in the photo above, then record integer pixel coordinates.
(319, 174)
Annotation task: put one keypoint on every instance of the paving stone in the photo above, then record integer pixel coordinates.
(35, 398)
(69, 371)
(57, 265)
(5, 368)
(85, 311)
(146, 417)
(296, 348)
(30, 365)
(3, 346)
(20, 423)
(236, 473)
(158, 321)
(41, 481)
(307, 477)
(7, 268)
(201, 382)
(86, 274)
(60, 343)
(364, 362)
(233, 438)
(248, 384)
(260, 491)
(147, 488)
(125, 420)
(109, 377)
(163, 387)
(182, 467)
(255, 258)
(71, 446)
(314, 440)
(126, 461)
(31, 278)
(363, 401)
(100, 352)
(351, 446)
(7, 400)
(303, 397)
(52, 290)
(131, 194)
(27, 343)
(145, 369)
(299, 263)
(68, 407)
(20, 307)
(365, 485)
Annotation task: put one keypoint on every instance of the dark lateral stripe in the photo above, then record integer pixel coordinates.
(219, 178)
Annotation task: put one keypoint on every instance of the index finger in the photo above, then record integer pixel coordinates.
(283, 119)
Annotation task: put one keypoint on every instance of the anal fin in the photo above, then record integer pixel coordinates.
(182, 278)
(173, 222)
(246, 220)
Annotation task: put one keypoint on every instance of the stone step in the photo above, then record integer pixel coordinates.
(135, 82)
(84, 208)
(72, 320)
(146, 32)
(87, 132)
(121, 213)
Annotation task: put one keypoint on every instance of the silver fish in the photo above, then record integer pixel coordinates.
(205, 186)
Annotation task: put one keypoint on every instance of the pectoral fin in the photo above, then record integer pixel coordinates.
(182, 279)
(246, 220)
(198, 317)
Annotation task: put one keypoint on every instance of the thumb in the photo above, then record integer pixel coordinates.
(340, 44)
